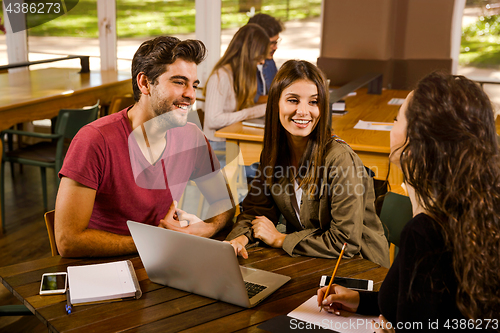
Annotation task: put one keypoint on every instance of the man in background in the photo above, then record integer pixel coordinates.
(268, 70)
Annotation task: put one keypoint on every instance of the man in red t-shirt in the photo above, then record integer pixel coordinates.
(134, 164)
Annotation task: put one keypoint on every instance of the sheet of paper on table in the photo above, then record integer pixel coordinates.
(373, 125)
(347, 322)
(396, 101)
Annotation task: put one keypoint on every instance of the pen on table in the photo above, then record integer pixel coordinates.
(333, 275)
(68, 303)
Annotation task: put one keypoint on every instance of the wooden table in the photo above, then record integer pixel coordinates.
(27, 95)
(244, 144)
(163, 309)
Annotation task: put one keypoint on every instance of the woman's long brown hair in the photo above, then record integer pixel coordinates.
(249, 45)
(276, 150)
(452, 161)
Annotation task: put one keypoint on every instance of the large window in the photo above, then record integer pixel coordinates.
(138, 20)
(146, 18)
(481, 34)
(480, 48)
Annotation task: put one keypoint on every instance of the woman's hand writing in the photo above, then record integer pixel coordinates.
(338, 298)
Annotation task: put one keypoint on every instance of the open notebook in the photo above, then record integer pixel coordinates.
(347, 322)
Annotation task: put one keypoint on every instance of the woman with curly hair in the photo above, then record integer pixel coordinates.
(448, 268)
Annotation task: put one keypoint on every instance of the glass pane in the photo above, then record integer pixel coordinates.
(139, 18)
(235, 13)
(480, 47)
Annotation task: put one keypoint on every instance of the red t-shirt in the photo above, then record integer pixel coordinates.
(105, 157)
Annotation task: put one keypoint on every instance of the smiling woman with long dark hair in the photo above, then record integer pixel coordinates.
(317, 184)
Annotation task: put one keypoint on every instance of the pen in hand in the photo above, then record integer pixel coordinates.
(333, 275)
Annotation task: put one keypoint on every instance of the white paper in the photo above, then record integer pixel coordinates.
(396, 101)
(373, 125)
(338, 106)
(347, 322)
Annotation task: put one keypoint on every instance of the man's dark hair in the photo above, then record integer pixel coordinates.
(153, 55)
(271, 25)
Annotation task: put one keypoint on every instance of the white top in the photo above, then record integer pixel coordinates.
(296, 203)
(220, 104)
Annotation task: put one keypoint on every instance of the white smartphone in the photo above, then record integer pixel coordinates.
(356, 284)
(54, 283)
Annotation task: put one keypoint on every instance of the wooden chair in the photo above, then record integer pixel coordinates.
(119, 103)
(396, 212)
(47, 154)
(49, 223)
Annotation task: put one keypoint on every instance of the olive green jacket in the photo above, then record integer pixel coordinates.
(340, 211)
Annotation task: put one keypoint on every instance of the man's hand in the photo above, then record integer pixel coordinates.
(178, 220)
(239, 246)
(186, 219)
(171, 217)
(265, 230)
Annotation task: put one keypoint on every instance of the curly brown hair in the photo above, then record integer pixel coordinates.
(452, 161)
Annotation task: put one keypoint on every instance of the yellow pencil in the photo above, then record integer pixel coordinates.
(333, 275)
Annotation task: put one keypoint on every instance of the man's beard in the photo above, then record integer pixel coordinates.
(166, 116)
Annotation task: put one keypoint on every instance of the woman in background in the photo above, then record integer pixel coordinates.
(448, 268)
(317, 183)
(232, 85)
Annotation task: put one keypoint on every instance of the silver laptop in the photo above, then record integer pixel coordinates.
(201, 266)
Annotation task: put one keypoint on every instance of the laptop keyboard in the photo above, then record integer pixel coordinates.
(253, 288)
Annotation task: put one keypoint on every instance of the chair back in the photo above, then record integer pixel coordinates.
(49, 223)
(15, 310)
(396, 212)
(119, 103)
(69, 121)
